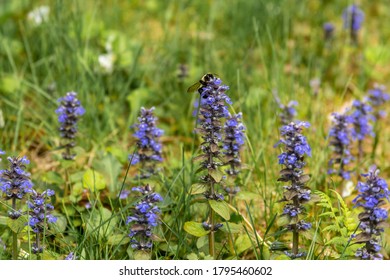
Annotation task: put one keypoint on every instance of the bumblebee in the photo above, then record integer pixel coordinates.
(207, 78)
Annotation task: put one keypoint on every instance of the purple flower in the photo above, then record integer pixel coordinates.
(143, 207)
(148, 143)
(296, 145)
(40, 211)
(212, 112)
(144, 218)
(328, 28)
(233, 140)
(15, 182)
(371, 197)
(300, 226)
(124, 194)
(296, 193)
(361, 117)
(294, 256)
(69, 112)
(222, 135)
(50, 192)
(292, 210)
(40, 216)
(340, 139)
(70, 257)
(288, 112)
(353, 18)
(376, 98)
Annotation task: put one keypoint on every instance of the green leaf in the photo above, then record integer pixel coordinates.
(344, 231)
(67, 164)
(110, 167)
(18, 224)
(142, 255)
(171, 248)
(192, 257)
(3, 220)
(77, 190)
(278, 246)
(195, 229)
(202, 241)
(118, 153)
(327, 214)
(10, 84)
(52, 177)
(309, 234)
(77, 176)
(245, 195)
(266, 253)
(118, 239)
(93, 180)
(198, 188)
(325, 205)
(47, 255)
(243, 243)
(338, 240)
(283, 220)
(208, 258)
(216, 174)
(232, 228)
(282, 257)
(221, 208)
(101, 223)
(60, 225)
(331, 227)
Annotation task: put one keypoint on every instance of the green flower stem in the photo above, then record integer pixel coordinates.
(295, 245)
(14, 235)
(67, 183)
(211, 234)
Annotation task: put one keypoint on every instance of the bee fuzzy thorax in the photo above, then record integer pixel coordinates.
(206, 83)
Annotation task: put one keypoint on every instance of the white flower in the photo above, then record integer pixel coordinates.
(348, 189)
(106, 62)
(39, 15)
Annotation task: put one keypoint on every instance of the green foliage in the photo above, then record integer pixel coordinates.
(341, 223)
(221, 208)
(93, 180)
(17, 225)
(216, 174)
(243, 243)
(195, 229)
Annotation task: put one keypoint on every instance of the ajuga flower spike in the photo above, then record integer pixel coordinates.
(69, 112)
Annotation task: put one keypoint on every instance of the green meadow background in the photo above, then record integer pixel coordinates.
(257, 47)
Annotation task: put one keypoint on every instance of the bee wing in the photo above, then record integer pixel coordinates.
(193, 87)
